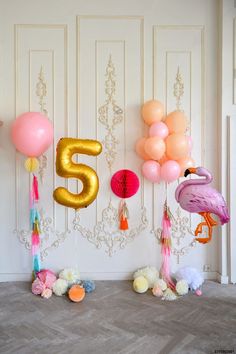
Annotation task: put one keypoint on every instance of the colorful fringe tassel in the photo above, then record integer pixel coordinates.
(123, 216)
(166, 248)
(34, 224)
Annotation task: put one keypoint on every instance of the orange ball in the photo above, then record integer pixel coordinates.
(139, 148)
(185, 163)
(155, 147)
(76, 293)
(152, 112)
(177, 146)
(176, 122)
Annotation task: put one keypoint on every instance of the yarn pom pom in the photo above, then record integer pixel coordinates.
(156, 291)
(140, 284)
(76, 293)
(181, 287)
(88, 285)
(47, 293)
(169, 295)
(38, 287)
(191, 275)
(150, 273)
(161, 283)
(71, 275)
(60, 287)
(198, 292)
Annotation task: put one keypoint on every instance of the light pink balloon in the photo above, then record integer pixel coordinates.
(32, 134)
(159, 129)
(170, 171)
(151, 171)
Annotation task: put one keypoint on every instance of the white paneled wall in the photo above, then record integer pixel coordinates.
(89, 66)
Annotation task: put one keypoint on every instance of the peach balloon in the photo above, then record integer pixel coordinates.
(155, 147)
(176, 122)
(185, 163)
(152, 111)
(139, 148)
(163, 159)
(177, 146)
(190, 142)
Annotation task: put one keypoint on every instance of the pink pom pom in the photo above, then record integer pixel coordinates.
(156, 291)
(38, 287)
(47, 277)
(47, 293)
(198, 292)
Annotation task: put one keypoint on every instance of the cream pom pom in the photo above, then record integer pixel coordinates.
(182, 287)
(162, 284)
(71, 275)
(140, 284)
(60, 287)
(169, 295)
(150, 273)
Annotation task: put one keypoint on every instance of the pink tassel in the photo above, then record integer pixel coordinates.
(35, 189)
(166, 249)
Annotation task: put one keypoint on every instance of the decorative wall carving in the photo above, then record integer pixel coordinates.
(50, 238)
(105, 232)
(110, 114)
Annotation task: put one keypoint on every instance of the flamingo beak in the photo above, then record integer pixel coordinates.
(189, 171)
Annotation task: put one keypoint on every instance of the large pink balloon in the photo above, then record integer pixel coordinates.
(32, 134)
(159, 129)
(170, 171)
(151, 171)
(155, 147)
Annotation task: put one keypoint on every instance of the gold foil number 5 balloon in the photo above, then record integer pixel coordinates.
(65, 167)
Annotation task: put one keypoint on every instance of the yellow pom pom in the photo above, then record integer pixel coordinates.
(31, 164)
(140, 284)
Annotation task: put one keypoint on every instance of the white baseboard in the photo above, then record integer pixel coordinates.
(8, 277)
(210, 275)
(222, 279)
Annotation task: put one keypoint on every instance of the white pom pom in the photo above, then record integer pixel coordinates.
(60, 287)
(181, 287)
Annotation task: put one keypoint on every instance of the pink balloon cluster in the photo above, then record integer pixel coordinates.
(167, 149)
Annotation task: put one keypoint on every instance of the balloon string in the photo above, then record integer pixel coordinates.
(76, 245)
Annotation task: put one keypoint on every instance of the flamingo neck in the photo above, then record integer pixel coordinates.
(197, 181)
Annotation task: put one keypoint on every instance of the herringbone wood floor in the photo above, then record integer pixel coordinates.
(114, 319)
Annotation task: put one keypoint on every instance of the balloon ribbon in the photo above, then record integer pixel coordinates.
(34, 225)
(166, 247)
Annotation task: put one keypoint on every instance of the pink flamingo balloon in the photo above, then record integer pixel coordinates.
(196, 196)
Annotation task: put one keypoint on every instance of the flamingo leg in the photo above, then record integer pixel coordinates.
(209, 222)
